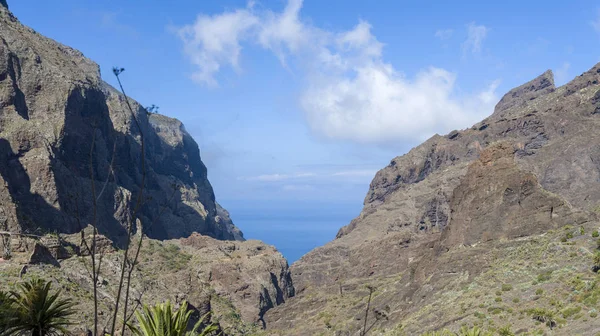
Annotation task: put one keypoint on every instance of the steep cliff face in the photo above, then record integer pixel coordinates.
(54, 109)
(465, 210)
(56, 117)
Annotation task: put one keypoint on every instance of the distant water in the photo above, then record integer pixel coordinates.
(293, 228)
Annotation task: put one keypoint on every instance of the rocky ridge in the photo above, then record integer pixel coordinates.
(450, 214)
(54, 105)
(61, 128)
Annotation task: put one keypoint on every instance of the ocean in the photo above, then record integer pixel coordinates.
(294, 228)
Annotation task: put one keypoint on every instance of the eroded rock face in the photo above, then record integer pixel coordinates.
(436, 219)
(497, 200)
(254, 276)
(54, 109)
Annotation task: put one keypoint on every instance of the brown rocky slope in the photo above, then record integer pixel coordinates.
(446, 225)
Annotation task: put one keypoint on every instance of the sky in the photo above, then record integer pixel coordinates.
(301, 102)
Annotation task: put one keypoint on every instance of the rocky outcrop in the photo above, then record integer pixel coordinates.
(440, 217)
(522, 95)
(67, 137)
(252, 275)
(236, 281)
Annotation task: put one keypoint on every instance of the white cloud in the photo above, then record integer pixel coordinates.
(215, 40)
(351, 93)
(444, 34)
(475, 36)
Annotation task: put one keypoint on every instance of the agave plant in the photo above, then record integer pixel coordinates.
(5, 310)
(162, 320)
(33, 310)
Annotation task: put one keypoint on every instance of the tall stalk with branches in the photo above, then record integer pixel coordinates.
(91, 248)
(131, 222)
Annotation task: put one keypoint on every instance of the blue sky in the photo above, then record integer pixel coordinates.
(295, 101)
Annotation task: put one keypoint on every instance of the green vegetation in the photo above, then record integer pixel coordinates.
(595, 234)
(506, 331)
(507, 287)
(543, 315)
(33, 310)
(162, 320)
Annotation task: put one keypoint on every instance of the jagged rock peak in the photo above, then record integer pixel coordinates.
(3, 3)
(519, 96)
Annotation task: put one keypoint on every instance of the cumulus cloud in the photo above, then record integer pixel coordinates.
(351, 92)
(213, 41)
(444, 34)
(475, 36)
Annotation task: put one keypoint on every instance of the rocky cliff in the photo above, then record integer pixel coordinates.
(450, 225)
(62, 130)
(58, 119)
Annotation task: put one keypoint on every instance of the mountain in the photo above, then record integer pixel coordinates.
(480, 226)
(65, 132)
(54, 109)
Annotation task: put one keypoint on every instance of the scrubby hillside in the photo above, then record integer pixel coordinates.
(476, 227)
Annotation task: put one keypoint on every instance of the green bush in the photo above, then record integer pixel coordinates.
(569, 312)
(507, 287)
(595, 234)
(539, 291)
(543, 315)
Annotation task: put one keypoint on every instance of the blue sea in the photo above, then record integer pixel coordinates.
(294, 228)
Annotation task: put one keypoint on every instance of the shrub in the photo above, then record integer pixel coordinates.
(516, 300)
(595, 234)
(498, 299)
(569, 312)
(539, 291)
(506, 331)
(569, 235)
(507, 287)
(543, 315)
(544, 276)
